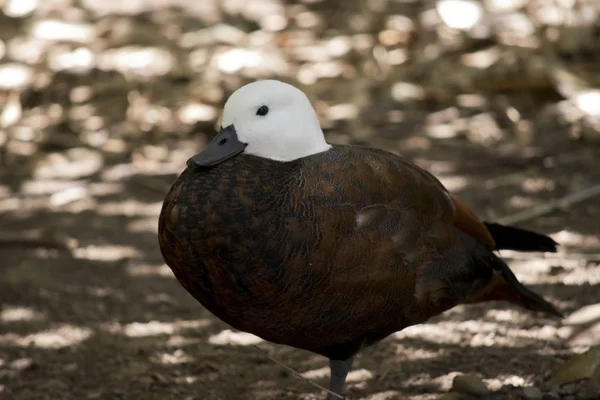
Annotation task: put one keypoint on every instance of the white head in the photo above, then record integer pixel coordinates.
(287, 131)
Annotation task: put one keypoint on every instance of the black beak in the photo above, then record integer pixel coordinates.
(223, 147)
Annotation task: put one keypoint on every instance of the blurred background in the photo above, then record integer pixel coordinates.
(102, 102)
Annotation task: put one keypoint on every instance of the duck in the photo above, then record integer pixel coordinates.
(325, 247)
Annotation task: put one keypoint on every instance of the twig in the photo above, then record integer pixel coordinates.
(297, 374)
(560, 204)
(505, 180)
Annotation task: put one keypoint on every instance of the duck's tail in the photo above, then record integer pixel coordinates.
(504, 285)
(511, 238)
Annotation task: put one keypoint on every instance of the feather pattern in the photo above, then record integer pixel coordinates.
(330, 252)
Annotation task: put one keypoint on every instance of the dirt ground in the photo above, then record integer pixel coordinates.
(107, 320)
(98, 129)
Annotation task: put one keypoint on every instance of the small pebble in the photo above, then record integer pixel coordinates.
(571, 388)
(531, 392)
(449, 396)
(469, 384)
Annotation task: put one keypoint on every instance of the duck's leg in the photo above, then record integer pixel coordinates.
(339, 371)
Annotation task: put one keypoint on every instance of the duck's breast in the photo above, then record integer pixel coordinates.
(230, 232)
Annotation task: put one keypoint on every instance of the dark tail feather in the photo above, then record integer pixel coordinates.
(507, 287)
(525, 297)
(509, 238)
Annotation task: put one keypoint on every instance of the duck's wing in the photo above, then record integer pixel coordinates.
(372, 179)
(456, 212)
(398, 230)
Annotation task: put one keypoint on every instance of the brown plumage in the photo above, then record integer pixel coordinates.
(333, 251)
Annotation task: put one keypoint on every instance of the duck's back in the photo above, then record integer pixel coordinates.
(326, 253)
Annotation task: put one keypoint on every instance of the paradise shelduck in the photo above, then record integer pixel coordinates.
(327, 248)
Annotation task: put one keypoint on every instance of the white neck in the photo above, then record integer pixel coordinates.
(287, 152)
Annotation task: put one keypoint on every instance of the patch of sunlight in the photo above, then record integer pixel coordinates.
(56, 30)
(14, 75)
(155, 328)
(74, 163)
(482, 59)
(63, 336)
(181, 341)
(342, 112)
(529, 271)
(47, 187)
(570, 238)
(588, 102)
(68, 195)
(471, 100)
(327, 69)
(148, 224)
(106, 252)
(12, 114)
(19, 8)
(310, 52)
(535, 185)
(584, 330)
(27, 50)
(234, 60)
(307, 19)
(584, 315)
(77, 59)
(316, 373)
(578, 278)
(338, 46)
(152, 328)
(194, 112)
(503, 315)
(142, 61)
(21, 363)
(444, 382)
(160, 298)
(441, 131)
(417, 353)
(504, 5)
(176, 357)
(149, 270)
(231, 338)
(459, 14)
(397, 56)
(19, 313)
(273, 23)
(359, 375)
(22, 206)
(130, 208)
(520, 202)
(228, 34)
(506, 380)
(478, 333)
(405, 91)
(454, 183)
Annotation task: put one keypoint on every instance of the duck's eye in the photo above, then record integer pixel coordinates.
(262, 111)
